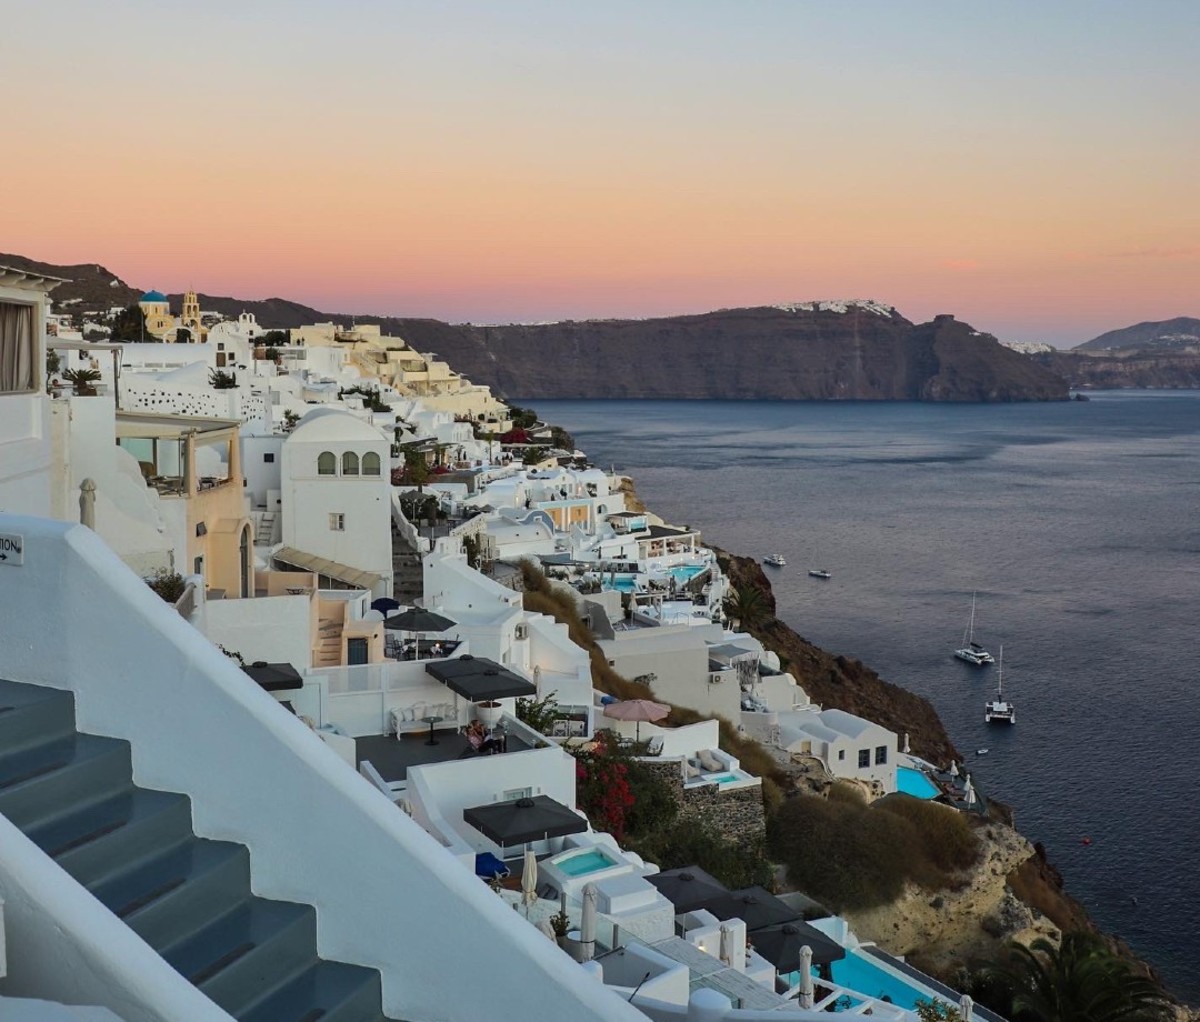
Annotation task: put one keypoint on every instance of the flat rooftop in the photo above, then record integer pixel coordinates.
(393, 756)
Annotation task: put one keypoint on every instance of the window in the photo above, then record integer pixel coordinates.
(17, 348)
(880, 754)
(327, 463)
(864, 758)
(349, 464)
(515, 793)
(370, 464)
(841, 754)
(337, 522)
(269, 458)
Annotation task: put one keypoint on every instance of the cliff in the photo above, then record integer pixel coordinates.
(856, 350)
(828, 351)
(1157, 369)
(1179, 334)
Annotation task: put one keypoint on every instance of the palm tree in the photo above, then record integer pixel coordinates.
(748, 606)
(1081, 980)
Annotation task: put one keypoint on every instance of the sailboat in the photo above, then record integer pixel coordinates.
(971, 651)
(998, 710)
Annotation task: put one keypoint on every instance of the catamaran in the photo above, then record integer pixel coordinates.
(971, 651)
(775, 560)
(999, 710)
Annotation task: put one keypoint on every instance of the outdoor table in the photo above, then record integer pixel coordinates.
(431, 721)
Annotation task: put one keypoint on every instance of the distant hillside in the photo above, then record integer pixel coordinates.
(813, 351)
(1179, 334)
(1085, 370)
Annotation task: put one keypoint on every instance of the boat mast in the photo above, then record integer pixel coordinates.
(1000, 678)
(970, 624)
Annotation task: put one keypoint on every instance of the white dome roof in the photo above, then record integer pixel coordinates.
(328, 424)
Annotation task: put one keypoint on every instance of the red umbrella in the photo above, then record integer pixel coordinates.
(638, 710)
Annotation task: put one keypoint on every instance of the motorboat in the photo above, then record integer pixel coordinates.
(820, 573)
(1000, 710)
(775, 560)
(971, 651)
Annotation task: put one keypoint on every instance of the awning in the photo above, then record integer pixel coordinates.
(525, 819)
(331, 569)
(479, 679)
(275, 677)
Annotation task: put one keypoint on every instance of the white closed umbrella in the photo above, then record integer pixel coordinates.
(953, 769)
(969, 795)
(726, 952)
(806, 980)
(907, 747)
(965, 1007)
(587, 924)
(529, 880)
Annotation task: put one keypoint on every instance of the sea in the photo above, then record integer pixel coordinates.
(1075, 525)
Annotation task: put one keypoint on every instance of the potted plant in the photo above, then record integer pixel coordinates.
(560, 923)
(488, 713)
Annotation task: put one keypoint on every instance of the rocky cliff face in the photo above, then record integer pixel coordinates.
(1179, 334)
(812, 352)
(1167, 370)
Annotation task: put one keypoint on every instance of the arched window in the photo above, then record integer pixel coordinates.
(327, 463)
(349, 464)
(370, 464)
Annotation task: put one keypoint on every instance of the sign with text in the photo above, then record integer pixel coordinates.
(12, 549)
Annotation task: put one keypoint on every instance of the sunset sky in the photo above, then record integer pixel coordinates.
(1032, 167)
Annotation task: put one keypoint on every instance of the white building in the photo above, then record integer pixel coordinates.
(336, 494)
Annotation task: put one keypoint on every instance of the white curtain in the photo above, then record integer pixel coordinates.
(17, 371)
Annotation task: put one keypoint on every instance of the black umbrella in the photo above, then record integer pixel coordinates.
(780, 945)
(417, 619)
(385, 604)
(479, 679)
(755, 906)
(525, 819)
(688, 888)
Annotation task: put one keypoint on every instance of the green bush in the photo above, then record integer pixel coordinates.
(950, 842)
(691, 843)
(168, 584)
(852, 855)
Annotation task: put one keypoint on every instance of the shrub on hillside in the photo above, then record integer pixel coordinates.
(690, 843)
(853, 856)
(950, 841)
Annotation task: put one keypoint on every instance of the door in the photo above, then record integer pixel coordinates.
(356, 651)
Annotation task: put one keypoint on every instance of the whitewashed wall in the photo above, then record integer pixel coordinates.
(387, 896)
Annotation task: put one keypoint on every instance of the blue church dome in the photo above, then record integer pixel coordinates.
(153, 296)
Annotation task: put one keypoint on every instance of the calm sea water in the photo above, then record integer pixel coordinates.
(1077, 525)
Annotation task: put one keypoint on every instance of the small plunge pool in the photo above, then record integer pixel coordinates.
(915, 783)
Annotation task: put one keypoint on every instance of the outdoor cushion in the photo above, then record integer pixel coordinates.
(710, 762)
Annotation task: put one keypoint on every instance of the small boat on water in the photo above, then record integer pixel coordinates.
(820, 573)
(999, 710)
(971, 651)
(981, 752)
(775, 560)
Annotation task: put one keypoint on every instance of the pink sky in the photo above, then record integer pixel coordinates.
(1035, 174)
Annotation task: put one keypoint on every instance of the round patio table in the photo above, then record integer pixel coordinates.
(431, 721)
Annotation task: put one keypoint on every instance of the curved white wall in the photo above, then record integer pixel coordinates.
(387, 895)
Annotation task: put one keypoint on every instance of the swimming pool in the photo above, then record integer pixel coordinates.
(686, 572)
(722, 778)
(915, 783)
(584, 863)
(860, 974)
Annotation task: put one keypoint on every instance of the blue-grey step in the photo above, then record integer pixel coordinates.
(173, 894)
(100, 839)
(40, 783)
(245, 951)
(328, 991)
(32, 715)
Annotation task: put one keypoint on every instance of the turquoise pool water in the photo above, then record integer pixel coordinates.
(686, 572)
(724, 778)
(587, 862)
(913, 782)
(624, 585)
(862, 975)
